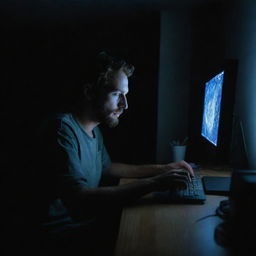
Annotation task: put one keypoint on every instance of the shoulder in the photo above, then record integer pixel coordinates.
(65, 123)
(63, 118)
(57, 122)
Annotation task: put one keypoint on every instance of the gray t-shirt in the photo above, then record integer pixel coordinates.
(87, 156)
(71, 160)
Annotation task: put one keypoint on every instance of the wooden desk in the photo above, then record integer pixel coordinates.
(170, 229)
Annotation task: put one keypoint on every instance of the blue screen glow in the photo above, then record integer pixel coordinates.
(211, 112)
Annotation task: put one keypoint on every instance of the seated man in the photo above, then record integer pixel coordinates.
(74, 212)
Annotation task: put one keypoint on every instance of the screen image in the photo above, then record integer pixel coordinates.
(211, 111)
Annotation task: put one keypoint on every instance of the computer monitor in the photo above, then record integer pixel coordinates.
(212, 108)
(218, 124)
(217, 113)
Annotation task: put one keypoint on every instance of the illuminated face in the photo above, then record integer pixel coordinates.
(114, 101)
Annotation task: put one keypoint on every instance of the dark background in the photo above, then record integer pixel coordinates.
(45, 46)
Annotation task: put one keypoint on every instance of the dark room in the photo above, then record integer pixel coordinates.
(111, 110)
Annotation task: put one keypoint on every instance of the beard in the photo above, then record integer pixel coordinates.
(106, 117)
(111, 122)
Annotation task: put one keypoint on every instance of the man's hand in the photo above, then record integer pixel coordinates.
(180, 167)
(171, 179)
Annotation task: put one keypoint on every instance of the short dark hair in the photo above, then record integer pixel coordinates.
(106, 63)
(101, 71)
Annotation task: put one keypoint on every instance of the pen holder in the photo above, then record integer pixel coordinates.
(178, 153)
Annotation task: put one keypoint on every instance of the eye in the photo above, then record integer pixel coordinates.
(115, 94)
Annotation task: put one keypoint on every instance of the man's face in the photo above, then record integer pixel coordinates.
(114, 101)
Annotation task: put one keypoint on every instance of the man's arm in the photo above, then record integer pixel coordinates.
(138, 171)
(101, 199)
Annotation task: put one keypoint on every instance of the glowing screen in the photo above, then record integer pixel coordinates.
(211, 112)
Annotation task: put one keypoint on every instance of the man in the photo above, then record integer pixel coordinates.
(73, 159)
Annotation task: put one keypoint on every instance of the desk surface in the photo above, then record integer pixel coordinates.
(171, 229)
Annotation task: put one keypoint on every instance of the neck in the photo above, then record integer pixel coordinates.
(86, 122)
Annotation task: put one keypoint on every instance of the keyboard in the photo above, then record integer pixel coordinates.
(194, 193)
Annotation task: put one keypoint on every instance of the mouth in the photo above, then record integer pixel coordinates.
(117, 114)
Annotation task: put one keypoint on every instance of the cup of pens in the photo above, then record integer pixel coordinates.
(178, 149)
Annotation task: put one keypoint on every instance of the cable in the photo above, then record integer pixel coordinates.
(205, 217)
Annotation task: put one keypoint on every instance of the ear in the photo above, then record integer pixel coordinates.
(87, 91)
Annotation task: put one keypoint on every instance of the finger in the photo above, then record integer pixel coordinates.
(184, 173)
(183, 164)
(189, 168)
(189, 173)
(182, 176)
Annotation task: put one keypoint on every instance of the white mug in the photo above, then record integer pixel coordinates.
(178, 153)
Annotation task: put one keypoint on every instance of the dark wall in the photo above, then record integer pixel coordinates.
(174, 80)
(241, 44)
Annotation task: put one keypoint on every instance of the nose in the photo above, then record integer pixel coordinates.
(123, 102)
